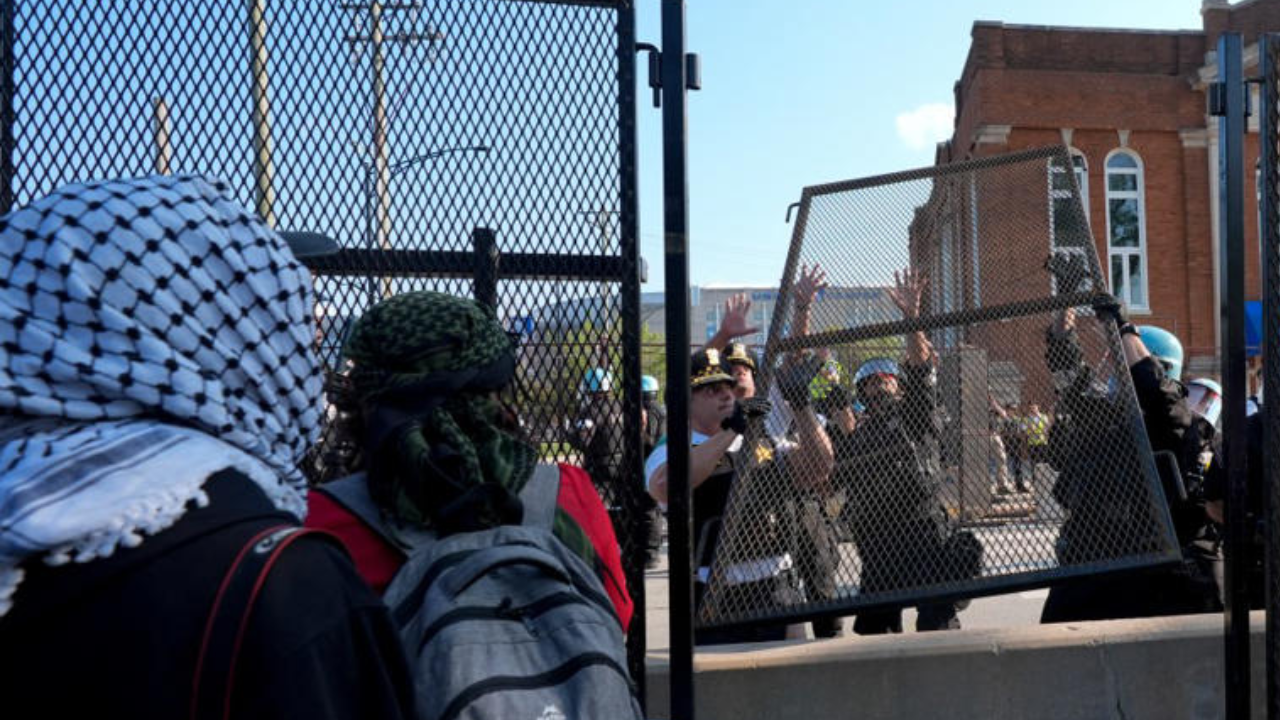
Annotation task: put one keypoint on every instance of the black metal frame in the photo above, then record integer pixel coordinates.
(309, 170)
(1227, 101)
(1269, 138)
(676, 231)
(779, 344)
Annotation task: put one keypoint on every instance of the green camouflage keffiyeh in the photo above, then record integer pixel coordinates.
(427, 367)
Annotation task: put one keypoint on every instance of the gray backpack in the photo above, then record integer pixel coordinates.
(504, 623)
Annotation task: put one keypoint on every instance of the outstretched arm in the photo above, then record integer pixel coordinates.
(907, 293)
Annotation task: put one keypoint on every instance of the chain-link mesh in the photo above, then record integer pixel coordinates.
(1264, 486)
(476, 147)
(983, 426)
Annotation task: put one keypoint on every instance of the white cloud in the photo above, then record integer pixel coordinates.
(925, 126)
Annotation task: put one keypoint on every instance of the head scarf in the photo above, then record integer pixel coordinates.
(152, 333)
(426, 367)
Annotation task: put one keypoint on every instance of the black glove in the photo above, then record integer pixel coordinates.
(1107, 307)
(744, 411)
(1069, 270)
(794, 379)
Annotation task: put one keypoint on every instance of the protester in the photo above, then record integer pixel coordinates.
(437, 449)
(158, 389)
(999, 422)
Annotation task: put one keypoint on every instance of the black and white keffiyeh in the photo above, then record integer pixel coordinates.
(152, 332)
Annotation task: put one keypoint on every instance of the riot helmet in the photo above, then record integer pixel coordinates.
(1204, 397)
(873, 367)
(649, 387)
(1166, 348)
(886, 394)
(597, 380)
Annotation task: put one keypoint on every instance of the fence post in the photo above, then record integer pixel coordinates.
(629, 291)
(485, 283)
(676, 230)
(7, 113)
(1227, 98)
(1268, 138)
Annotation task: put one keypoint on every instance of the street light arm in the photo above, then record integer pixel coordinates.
(402, 165)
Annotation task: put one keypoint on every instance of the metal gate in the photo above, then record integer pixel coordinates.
(1260, 579)
(477, 147)
(963, 322)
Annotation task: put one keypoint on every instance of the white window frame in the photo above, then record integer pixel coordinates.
(1126, 252)
(1082, 182)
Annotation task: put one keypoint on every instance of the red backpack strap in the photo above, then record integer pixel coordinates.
(224, 631)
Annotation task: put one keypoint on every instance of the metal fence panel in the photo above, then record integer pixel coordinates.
(477, 147)
(1264, 476)
(1007, 449)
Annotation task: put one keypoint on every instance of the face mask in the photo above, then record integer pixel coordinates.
(1205, 403)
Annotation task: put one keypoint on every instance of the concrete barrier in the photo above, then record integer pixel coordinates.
(1158, 669)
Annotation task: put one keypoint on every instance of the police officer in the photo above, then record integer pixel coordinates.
(655, 413)
(598, 435)
(1204, 396)
(655, 429)
(813, 542)
(795, 437)
(890, 467)
(1087, 418)
(719, 423)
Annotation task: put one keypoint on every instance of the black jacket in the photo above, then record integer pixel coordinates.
(890, 465)
(1105, 524)
(119, 636)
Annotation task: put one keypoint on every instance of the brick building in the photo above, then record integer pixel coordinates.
(1130, 105)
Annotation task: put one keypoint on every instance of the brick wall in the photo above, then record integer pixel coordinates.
(1021, 86)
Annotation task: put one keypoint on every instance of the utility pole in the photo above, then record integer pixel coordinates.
(377, 165)
(603, 227)
(164, 149)
(263, 170)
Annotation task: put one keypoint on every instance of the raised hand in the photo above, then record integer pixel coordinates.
(734, 322)
(812, 280)
(907, 292)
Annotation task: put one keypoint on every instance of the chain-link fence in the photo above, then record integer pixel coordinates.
(983, 429)
(476, 147)
(1264, 472)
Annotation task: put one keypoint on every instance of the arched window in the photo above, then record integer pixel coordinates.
(1126, 229)
(1067, 236)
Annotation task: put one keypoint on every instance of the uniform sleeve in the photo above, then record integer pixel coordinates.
(1163, 404)
(657, 459)
(920, 400)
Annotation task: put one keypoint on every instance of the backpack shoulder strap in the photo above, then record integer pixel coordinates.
(352, 493)
(540, 495)
(228, 619)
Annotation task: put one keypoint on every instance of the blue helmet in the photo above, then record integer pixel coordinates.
(1166, 348)
(648, 384)
(876, 366)
(597, 380)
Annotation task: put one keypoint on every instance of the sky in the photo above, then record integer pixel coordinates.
(803, 92)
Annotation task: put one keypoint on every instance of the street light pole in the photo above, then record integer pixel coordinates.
(376, 190)
(602, 225)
